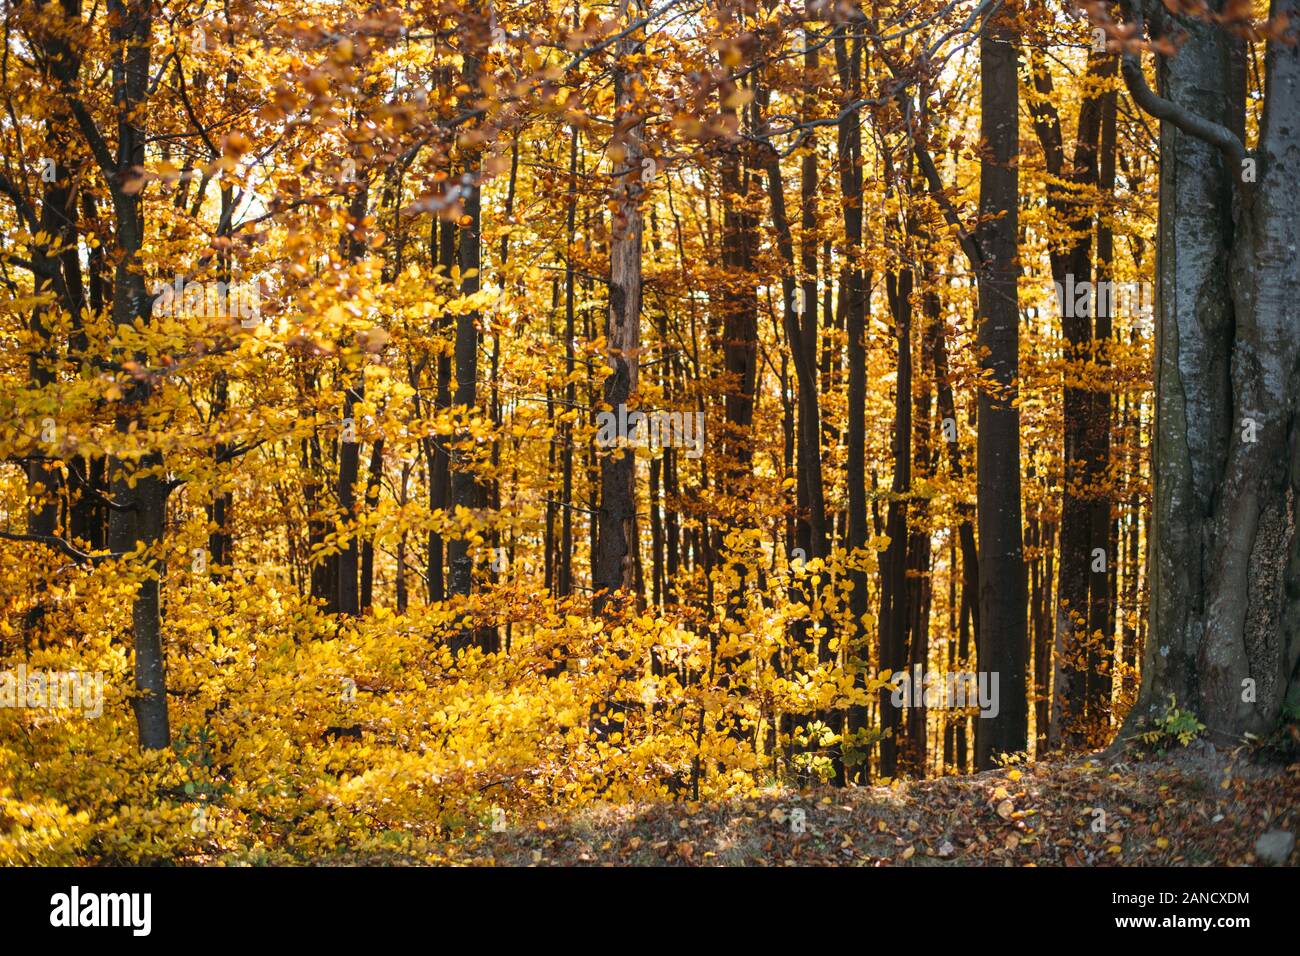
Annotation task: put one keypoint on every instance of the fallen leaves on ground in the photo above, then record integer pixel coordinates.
(1203, 808)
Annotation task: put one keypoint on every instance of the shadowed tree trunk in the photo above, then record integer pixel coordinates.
(1069, 195)
(443, 253)
(55, 225)
(140, 487)
(1001, 628)
(1104, 579)
(894, 617)
(855, 289)
(1002, 641)
(466, 492)
(373, 478)
(1225, 571)
(564, 558)
(740, 319)
(919, 549)
(799, 301)
(347, 596)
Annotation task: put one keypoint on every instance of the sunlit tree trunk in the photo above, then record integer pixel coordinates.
(615, 563)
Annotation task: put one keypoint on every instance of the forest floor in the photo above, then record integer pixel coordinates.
(1194, 806)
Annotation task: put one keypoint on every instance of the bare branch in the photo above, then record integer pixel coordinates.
(1208, 131)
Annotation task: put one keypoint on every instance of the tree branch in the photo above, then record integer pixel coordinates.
(60, 545)
(1208, 131)
(25, 210)
(98, 145)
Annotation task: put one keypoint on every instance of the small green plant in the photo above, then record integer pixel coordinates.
(1174, 725)
(855, 745)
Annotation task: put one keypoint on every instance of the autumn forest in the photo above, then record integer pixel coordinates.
(425, 424)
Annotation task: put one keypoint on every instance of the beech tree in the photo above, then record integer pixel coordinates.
(1225, 558)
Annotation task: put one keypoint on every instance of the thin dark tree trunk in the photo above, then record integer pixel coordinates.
(1072, 273)
(918, 545)
(856, 291)
(1102, 526)
(347, 595)
(399, 586)
(894, 618)
(141, 521)
(443, 253)
(373, 477)
(466, 490)
(616, 544)
(564, 576)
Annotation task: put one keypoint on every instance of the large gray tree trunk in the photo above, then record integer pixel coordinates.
(1225, 566)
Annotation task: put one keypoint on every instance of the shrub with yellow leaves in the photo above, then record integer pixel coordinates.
(301, 736)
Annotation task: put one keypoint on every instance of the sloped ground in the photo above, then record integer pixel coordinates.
(1200, 806)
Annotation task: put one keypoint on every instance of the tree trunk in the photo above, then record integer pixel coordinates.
(855, 289)
(1225, 570)
(346, 596)
(564, 573)
(1103, 578)
(347, 599)
(1002, 643)
(373, 477)
(894, 617)
(443, 253)
(616, 542)
(141, 523)
(466, 492)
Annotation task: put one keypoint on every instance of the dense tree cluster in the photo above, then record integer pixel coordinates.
(419, 413)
